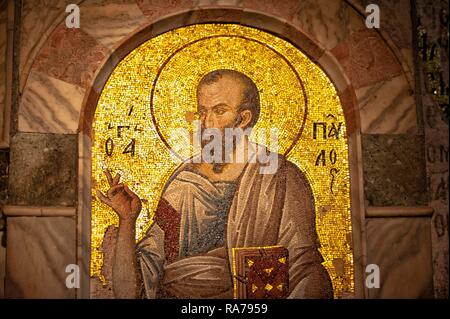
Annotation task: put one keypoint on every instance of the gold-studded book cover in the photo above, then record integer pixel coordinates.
(261, 272)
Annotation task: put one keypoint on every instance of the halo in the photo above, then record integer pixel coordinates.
(228, 51)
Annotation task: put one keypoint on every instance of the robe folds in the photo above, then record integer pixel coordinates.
(184, 256)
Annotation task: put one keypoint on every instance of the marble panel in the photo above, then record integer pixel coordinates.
(71, 55)
(109, 22)
(395, 21)
(2, 262)
(327, 22)
(38, 20)
(43, 169)
(282, 9)
(366, 58)
(49, 105)
(156, 9)
(38, 251)
(394, 170)
(387, 107)
(401, 247)
(3, 44)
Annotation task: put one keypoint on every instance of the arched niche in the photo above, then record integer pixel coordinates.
(325, 62)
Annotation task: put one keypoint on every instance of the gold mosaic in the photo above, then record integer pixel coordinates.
(133, 138)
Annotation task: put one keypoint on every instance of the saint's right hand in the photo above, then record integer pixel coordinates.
(121, 199)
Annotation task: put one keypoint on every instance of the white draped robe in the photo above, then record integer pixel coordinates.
(262, 210)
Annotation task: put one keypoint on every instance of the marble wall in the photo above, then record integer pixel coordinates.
(4, 152)
(3, 43)
(39, 250)
(394, 170)
(62, 71)
(68, 59)
(4, 167)
(38, 19)
(431, 17)
(43, 170)
(400, 246)
(396, 24)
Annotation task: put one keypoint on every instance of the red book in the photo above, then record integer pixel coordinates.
(261, 272)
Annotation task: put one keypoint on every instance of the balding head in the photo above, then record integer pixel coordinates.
(228, 90)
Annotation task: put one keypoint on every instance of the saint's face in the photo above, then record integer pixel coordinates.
(218, 103)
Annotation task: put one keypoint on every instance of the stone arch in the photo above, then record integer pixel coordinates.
(301, 41)
(278, 27)
(334, 60)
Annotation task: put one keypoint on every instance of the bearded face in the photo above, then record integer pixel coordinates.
(219, 109)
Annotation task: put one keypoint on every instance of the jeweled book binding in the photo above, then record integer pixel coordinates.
(261, 272)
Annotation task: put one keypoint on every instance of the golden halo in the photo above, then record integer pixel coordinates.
(268, 68)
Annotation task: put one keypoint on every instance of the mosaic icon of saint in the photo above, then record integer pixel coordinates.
(207, 209)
